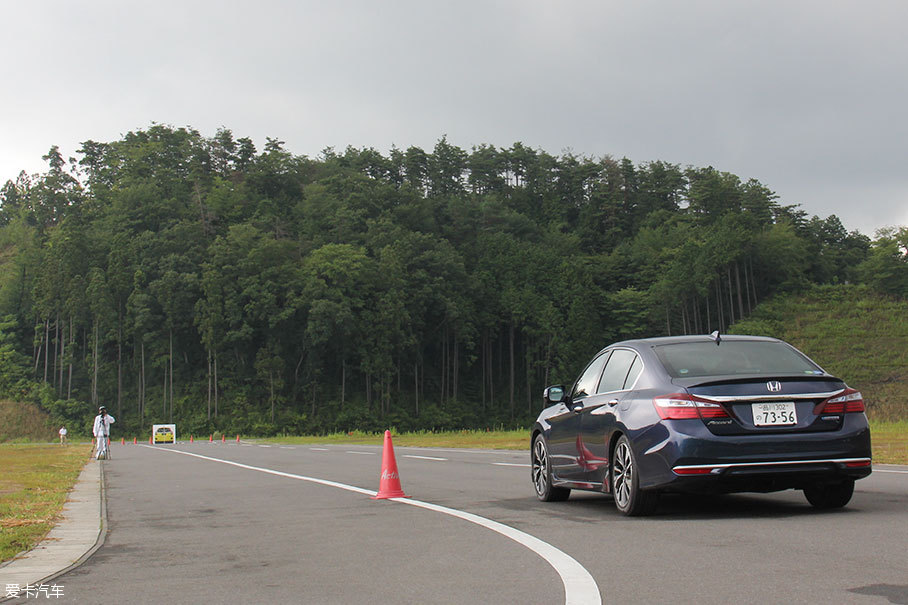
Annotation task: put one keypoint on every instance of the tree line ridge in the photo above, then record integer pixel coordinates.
(177, 277)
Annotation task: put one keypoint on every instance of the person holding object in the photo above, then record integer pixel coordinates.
(62, 432)
(101, 431)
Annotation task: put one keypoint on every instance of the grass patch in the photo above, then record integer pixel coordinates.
(488, 440)
(34, 485)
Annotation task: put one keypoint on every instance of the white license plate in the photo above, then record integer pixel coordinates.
(774, 414)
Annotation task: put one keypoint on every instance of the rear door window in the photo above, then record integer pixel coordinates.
(616, 371)
(633, 373)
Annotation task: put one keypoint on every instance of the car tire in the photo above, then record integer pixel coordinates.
(830, 495)
(542, 474)
(630, 500)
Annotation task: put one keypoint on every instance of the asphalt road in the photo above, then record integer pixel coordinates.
(186, 529)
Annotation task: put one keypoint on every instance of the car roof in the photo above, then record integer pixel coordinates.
(672, 340)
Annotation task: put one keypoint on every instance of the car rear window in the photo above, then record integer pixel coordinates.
(696, 359)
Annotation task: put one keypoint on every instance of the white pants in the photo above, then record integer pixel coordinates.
(103, 450)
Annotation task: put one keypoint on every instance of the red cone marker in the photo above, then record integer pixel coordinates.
(389, 487)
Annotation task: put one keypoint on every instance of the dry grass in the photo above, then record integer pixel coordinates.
(33, 488)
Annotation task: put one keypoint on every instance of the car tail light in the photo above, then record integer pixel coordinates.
(848, 401)
(681, 406)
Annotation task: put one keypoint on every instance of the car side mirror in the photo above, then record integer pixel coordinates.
(553, 394)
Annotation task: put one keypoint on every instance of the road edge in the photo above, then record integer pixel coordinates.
(51, 543)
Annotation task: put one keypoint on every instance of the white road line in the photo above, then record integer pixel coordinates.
(361, 453)
(510, 464)
(879, 470)
(579, 586)
(264, 446)
(423, 457)
(319, 449)
(287, 447)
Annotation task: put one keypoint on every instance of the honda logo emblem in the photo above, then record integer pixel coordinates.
(773, 386)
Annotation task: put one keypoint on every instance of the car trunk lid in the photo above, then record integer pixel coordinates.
(765, 404)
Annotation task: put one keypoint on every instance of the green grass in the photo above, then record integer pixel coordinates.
(33, 488)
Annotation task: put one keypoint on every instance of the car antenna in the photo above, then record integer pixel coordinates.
(716, 336)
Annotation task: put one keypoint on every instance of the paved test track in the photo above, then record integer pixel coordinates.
(184, 529)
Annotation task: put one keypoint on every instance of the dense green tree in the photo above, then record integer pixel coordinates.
(886, 267)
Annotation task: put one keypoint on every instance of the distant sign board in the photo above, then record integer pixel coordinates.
(164, 433)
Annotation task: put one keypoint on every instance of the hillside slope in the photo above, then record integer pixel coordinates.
(25, 422)
(853, 333)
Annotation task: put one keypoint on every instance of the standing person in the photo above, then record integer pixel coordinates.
(62, 432)
(101, 431)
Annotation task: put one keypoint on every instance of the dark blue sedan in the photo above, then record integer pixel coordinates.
(702, 414)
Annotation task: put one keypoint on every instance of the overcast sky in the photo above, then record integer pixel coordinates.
(807, 97)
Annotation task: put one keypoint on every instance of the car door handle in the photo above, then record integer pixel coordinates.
(613, 402)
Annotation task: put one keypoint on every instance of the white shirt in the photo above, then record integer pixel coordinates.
(102, 425)
(63, 430)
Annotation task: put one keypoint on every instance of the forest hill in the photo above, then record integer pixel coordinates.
(175, 277)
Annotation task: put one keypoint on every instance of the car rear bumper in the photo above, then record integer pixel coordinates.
(767, 476)
(693, 459)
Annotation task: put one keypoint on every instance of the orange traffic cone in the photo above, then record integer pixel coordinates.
(210, 438)
(134, 440)
(149, 441)
(190, 438)
(237, 438)
(122, 440)
(224, 438)
(389, 487)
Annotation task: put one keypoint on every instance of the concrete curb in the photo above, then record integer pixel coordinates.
(79, 534)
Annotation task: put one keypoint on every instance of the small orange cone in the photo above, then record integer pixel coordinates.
(149, 441)
(237, 438)
(190, 438)
(210, 438)
(223, 438)
(122, 440)
(389, 487)
(134, 440)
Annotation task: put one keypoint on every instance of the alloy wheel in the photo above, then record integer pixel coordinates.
(623, 475)
(540, 467)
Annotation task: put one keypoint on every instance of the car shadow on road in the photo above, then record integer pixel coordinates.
(587, 507)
